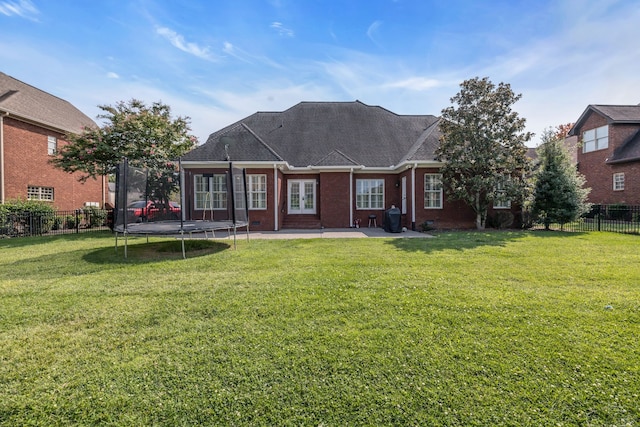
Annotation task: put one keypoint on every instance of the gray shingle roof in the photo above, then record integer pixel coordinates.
(27, 102)
(613, 114)
(629, 151)
(321, 133)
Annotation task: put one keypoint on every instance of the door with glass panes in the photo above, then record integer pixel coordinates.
(302, 196)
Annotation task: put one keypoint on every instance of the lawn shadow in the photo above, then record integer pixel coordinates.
(462, 240)
(146, 252)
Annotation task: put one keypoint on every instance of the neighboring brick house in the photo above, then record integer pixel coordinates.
(609, 152)
(33, 125)
(326, 164)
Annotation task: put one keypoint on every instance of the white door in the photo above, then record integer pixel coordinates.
(302, 196)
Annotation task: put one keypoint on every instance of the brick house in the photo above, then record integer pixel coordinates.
(326, 164)
(609, 152)
(33, 124)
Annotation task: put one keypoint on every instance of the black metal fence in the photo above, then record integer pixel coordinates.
(24, 224)
(618, 218)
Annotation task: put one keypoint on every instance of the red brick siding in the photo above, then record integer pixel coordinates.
(599, 175)
(334, 199)
(26, 163)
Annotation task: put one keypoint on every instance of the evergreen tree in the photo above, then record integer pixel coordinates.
(559, 196)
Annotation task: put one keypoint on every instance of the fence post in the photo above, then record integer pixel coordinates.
(77, 220)
(599, 216)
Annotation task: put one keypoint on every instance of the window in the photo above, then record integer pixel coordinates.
(40, 193)
(595, 139)
(618, 181)
(370, 194)
(501, 201)
(52, 145)
(211, 191)
(257, 191)
(433, 191)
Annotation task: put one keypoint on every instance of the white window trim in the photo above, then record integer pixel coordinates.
(501, 204)
(210, 192)
(618, 181)
(252, 193)
(600, 139)
(52, 145)
(372, 183)
(45, 194)
(439, 191)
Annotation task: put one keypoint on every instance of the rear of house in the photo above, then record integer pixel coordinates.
(326, 164)
(33, 125)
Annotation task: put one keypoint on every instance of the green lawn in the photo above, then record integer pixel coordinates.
(495, 328)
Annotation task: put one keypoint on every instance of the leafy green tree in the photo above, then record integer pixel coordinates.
(559, 195)
(483, 147)
(146, 135)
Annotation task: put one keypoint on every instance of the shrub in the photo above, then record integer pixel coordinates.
(70, 221)
(501, 219)
(33, 217)
(95, 217)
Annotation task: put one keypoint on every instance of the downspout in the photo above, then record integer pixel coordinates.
(351, 198)
(413, 196)
(275, 197)
(2, 116)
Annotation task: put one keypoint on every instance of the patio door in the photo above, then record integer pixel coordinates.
(302, 196)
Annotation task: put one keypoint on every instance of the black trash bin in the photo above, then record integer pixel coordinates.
(392, 220)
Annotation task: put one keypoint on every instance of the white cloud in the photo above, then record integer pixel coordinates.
(373, 30)
(179, 42)
(23, 8)
(282, 30)
(112, 75)
(414, 83)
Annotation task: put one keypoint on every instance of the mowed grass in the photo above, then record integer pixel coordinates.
(467, 328)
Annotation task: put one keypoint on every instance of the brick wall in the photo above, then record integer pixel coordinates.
(599, 175)
(26, 163)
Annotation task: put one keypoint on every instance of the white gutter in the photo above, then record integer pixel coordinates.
(351, 198)
(2, 116)
(275, 196)
(413, 196)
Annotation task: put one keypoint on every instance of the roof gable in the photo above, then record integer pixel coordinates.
(350, 133)
(26, 102)
(612, 113)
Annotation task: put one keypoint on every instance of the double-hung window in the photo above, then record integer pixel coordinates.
(210, 191)
(52, 145)
(433, 191)
(501, 201)
(369, 193)
(618, 181)
(595, 139)
(257, 191)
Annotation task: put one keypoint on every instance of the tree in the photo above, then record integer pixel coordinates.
(483, 147)
(559, 195)
(146, 136)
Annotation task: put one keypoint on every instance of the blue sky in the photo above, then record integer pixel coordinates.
(219, 61)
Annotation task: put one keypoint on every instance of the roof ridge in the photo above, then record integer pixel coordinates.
(261, 141)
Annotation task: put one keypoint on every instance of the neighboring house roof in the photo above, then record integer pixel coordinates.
(629, 151)
(613, 114)
(34, 105)
(325, 134)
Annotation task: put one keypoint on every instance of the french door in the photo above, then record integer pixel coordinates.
(302, 196)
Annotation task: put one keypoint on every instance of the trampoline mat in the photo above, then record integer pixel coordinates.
(175, 227)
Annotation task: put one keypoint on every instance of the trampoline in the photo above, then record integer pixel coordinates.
(143, 206)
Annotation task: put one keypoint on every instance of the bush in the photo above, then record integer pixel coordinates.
(70, 221)
(95, 217)
(427, 226)
(501, 219)
(32, 217)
